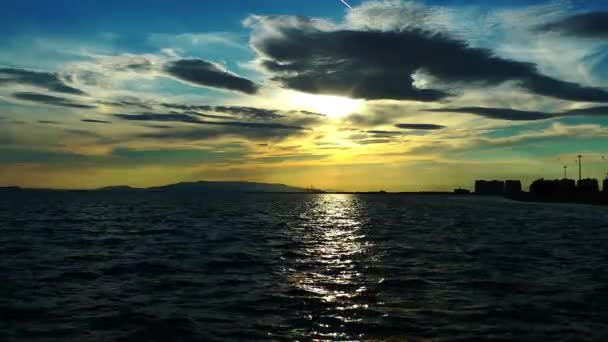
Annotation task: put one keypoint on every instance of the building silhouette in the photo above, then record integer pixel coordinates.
(512, 187)
(588, 186)
(553, 187)
(566, 186)
(494, 187)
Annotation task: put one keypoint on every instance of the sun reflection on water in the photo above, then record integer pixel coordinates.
(329, 272)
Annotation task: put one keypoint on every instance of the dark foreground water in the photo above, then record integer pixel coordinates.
(154, 267)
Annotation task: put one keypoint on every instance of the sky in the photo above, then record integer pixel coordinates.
(389, 95)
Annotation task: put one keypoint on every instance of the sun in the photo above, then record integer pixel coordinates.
(332, 106)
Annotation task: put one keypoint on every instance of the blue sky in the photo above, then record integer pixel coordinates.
(99, 93)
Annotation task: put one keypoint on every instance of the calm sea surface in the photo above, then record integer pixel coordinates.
(158, 267)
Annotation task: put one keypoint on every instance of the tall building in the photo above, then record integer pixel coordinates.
(588, 185)
(494, 187)
(512, 187)
(554, 187)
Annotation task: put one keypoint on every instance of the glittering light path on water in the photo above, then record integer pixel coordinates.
(328, 278)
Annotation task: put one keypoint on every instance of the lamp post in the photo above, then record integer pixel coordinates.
(580, 167)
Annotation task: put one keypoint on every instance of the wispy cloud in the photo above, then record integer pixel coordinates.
(196, 40)
(47, 80)
(192, 120)
(50, 100)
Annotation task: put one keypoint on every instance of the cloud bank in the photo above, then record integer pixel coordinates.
(313, 56)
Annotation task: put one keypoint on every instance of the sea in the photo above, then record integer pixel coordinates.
(140, 266)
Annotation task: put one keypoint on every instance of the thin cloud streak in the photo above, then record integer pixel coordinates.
(346, 3)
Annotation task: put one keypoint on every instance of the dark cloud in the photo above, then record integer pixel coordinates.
(208, 116)
(158, 117)
(49, 122)
(250, 112)
(375, 141)
(158, 126)
(256, 125)
(371, 137)
(214, 129)
(429, 127)
(187, 135)
(497, 113)
(50, 100)
(548, 86)
(588, 25)
(305, 112)
(127, 103)
(592, 111)
(186, 107)
(260, 133)
(215, 112)
(521, 115)
(96, 121)
(208, 74)
(244, 112)
(384, 132)
(47, 80)
(189, 119)
(380, 64)
(139, 64)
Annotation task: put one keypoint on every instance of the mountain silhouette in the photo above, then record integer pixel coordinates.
(192, 187)
(207, 186)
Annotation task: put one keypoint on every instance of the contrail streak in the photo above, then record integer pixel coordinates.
(346, 3)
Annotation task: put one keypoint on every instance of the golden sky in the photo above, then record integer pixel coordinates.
(389, 95)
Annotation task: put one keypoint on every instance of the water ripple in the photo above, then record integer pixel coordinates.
(147, 267)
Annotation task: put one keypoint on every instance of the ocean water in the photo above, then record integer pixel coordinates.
(160, 267)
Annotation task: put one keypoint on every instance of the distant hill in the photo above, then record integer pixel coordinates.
(117, 188)
(193, 187)
(205, 186)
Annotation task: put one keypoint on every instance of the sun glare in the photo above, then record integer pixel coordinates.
(332, 106)
(104, 109)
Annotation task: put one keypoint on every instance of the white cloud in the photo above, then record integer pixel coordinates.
(198, 42)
